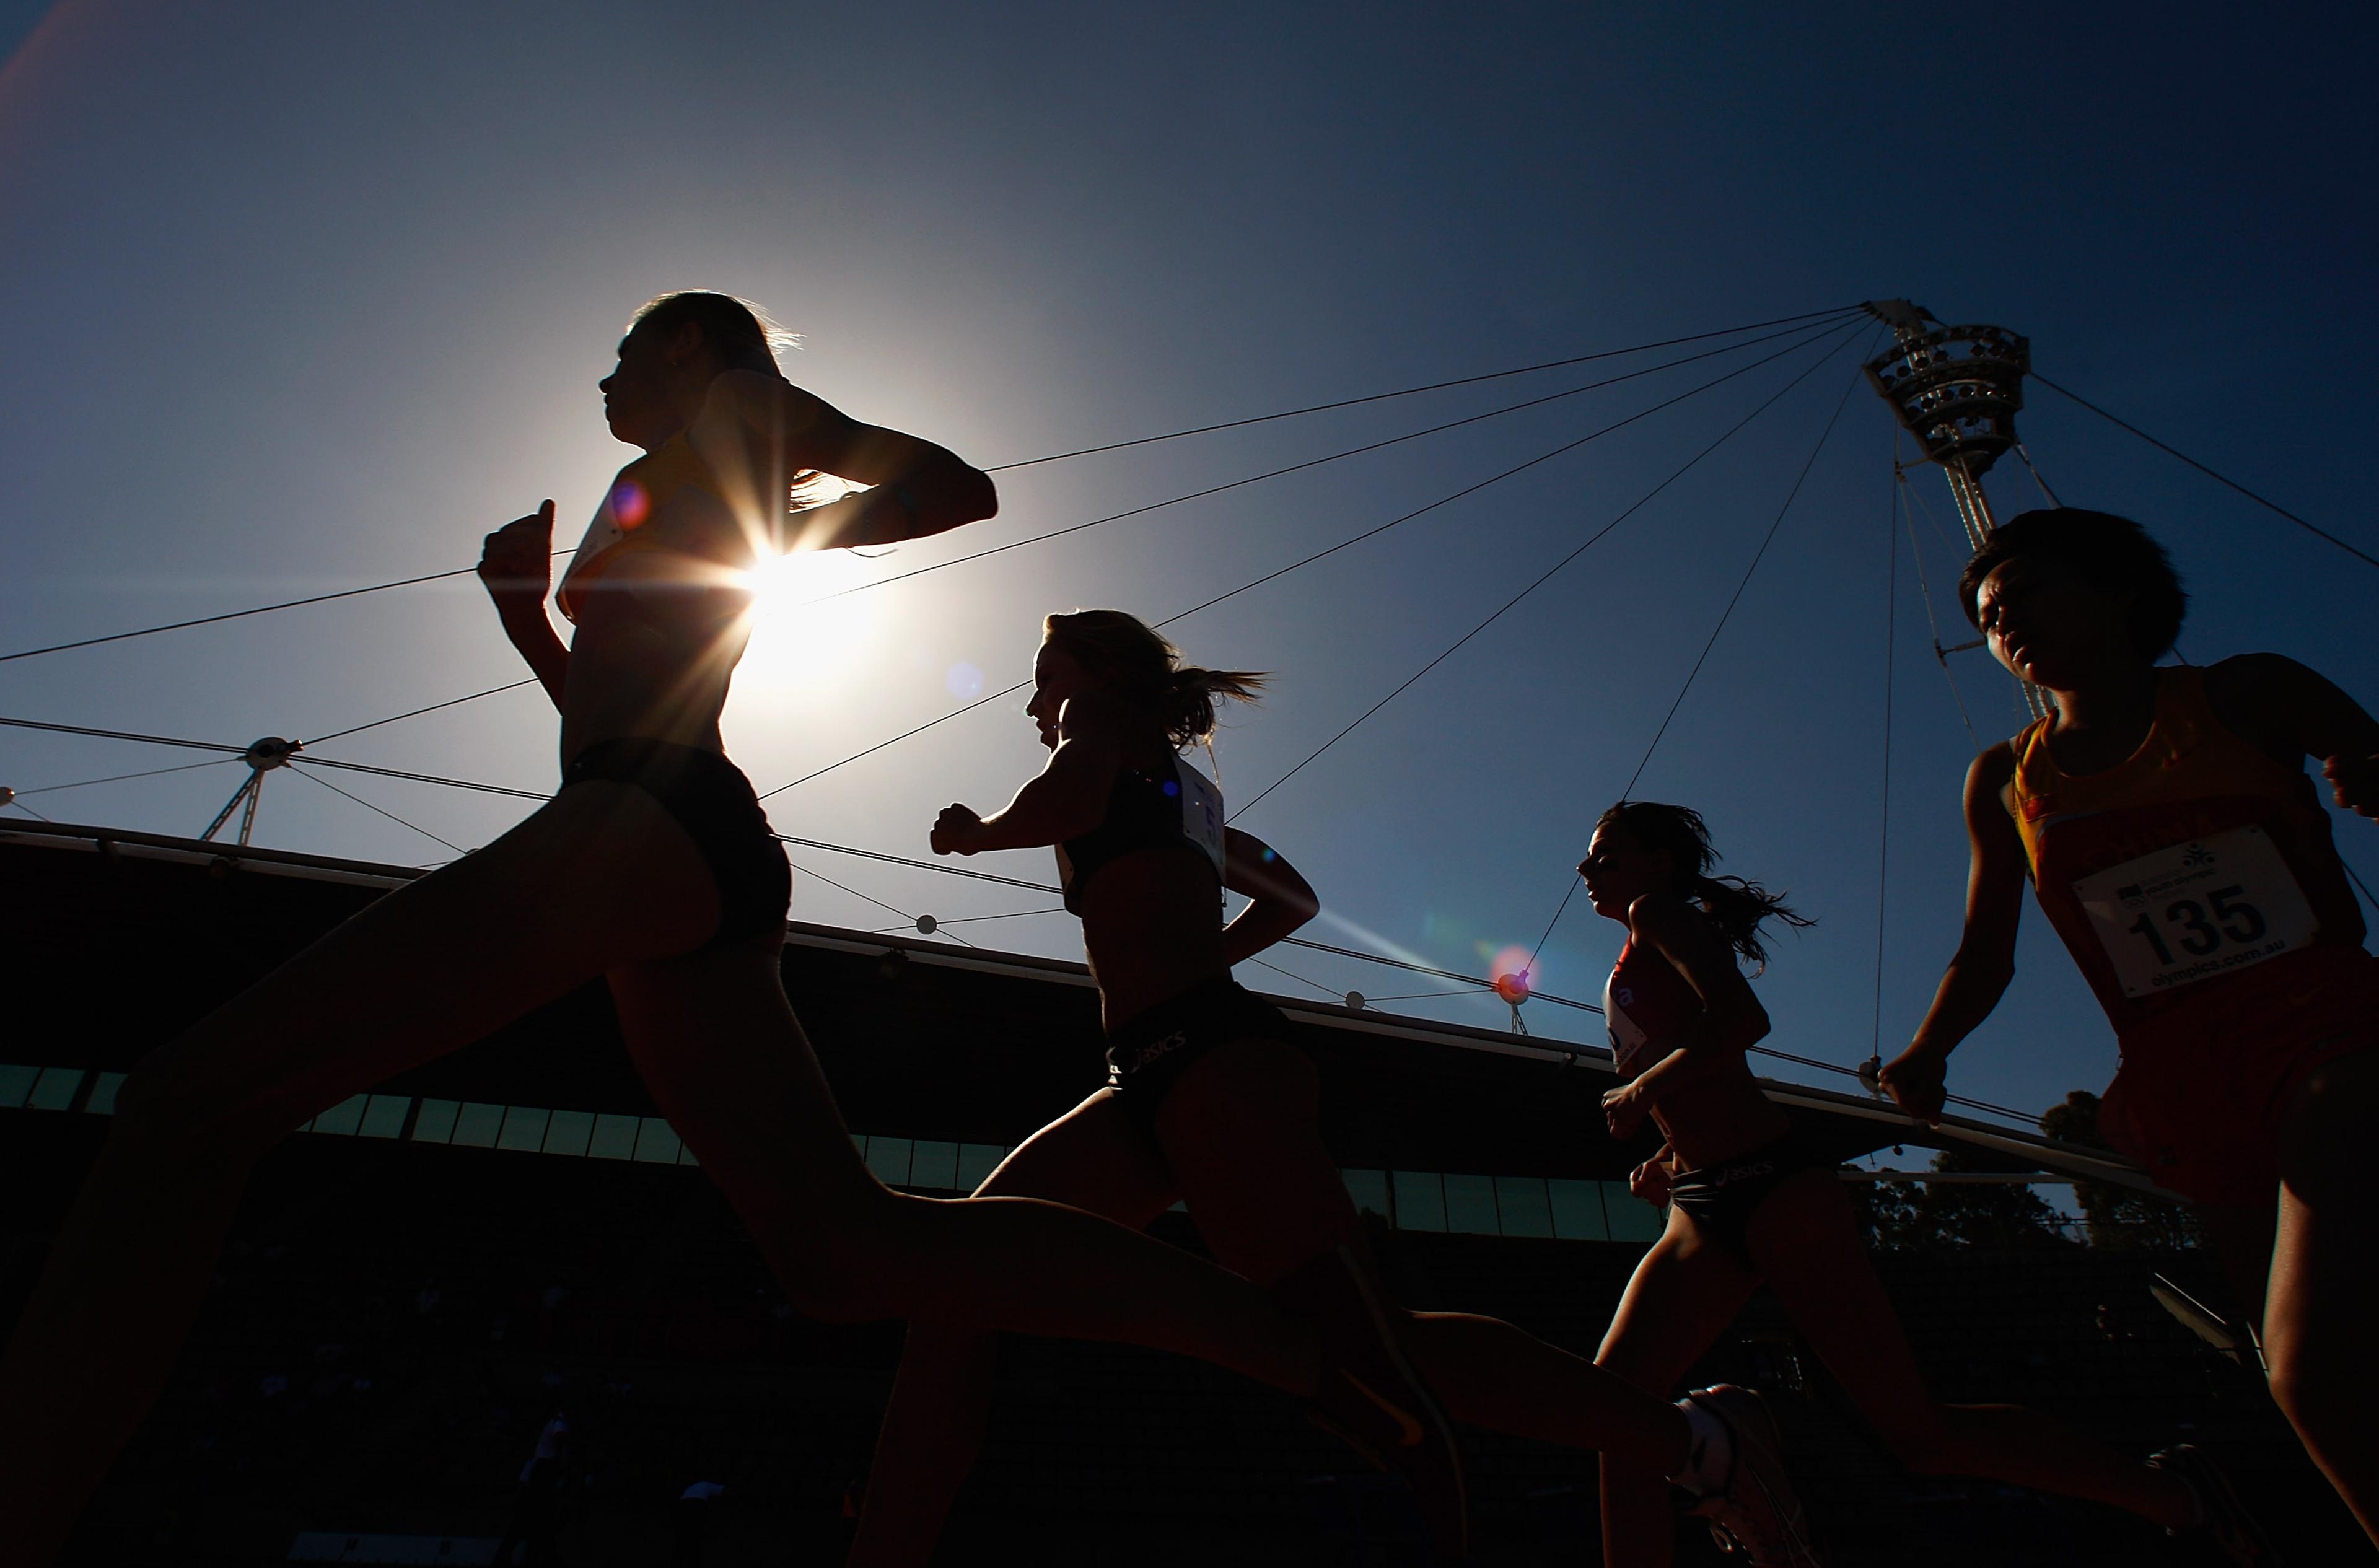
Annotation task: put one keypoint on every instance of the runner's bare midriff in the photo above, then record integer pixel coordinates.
(658, 640)
(1151, 928)
(1713, 1122)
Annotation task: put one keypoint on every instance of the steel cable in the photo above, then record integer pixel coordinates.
(1542, 579)
(1433, 386)
(1026, 462)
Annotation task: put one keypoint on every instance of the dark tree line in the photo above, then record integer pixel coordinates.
(1996, 1214)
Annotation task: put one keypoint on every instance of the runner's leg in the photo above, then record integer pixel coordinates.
(718, 1045)
(2324, 1287)
(1493, 1374)
(1803, 1239)
(1241, 1132)
(1681, 1298)
(2243, 1236)
(597, 875)
(1094, 1158)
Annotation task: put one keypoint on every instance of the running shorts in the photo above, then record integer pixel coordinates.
(2198, 1097)
(1720, 1199)
(1147, 1054)
(707, 796)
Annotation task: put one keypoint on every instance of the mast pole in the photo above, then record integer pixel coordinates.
(1957, 390)
(1973, 506)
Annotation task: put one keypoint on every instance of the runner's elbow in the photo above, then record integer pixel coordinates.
(1984, 974)
(1747, 1026)
(977, 495)
(955, 491)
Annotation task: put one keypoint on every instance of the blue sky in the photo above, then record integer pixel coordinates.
(299, 298)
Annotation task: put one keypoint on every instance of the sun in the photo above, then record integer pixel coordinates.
(806, 620)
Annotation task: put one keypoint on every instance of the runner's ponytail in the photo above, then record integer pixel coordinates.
(1190, 693)
(1149, 670)
(1739, 907)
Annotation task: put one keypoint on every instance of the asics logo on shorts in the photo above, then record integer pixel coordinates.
(1743, 1173)
(1155, 1048)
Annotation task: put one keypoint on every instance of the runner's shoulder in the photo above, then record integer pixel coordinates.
(2281, 706)
(2246, 678)
(1663, 918)
(1992, 770)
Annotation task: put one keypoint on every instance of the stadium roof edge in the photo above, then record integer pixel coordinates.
(2028, 1146)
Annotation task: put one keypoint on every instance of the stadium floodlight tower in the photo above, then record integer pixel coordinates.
(1957, 390)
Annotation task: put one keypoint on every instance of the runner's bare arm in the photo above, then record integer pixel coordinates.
(2294, 712)
(1979, 971)
(1280, 900)
(1731, 1020)
(920, 488)
(1065, 800)
(516, 568)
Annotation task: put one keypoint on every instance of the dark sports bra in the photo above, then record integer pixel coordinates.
(1146, 810)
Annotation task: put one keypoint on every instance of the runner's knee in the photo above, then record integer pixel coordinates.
(2299, 1397)
(842, 1286)
(2319, 1396)
(865, 1261)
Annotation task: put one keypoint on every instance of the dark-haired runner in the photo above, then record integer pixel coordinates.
(1751, 1199)
(2179, 851)
(1209, 1103)
(654, 868)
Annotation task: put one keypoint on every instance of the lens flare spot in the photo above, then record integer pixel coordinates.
(963, 681)
(630, 504)
(1509, 971)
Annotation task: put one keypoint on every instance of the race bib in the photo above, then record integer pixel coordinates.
(1201, 810)
(1627, 1041)
(2194, 910)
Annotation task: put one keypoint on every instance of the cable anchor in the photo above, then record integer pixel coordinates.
(262, 758)
(1513, 987)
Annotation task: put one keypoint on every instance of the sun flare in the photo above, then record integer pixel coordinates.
(805, 619)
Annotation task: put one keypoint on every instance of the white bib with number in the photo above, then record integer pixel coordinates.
(2194, 910)
(1201, 812)
(1627, 1041)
